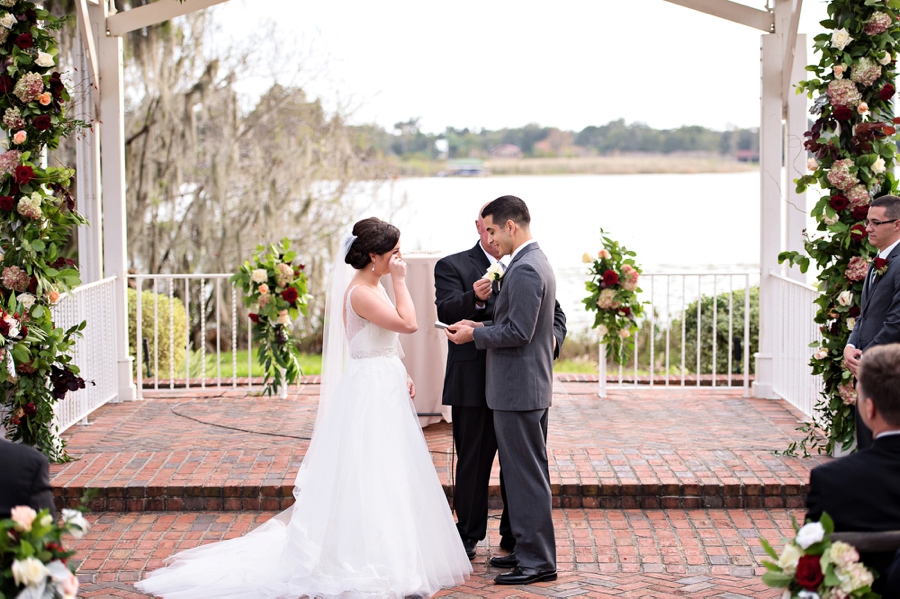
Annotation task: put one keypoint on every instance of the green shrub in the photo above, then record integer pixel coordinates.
(179, 331)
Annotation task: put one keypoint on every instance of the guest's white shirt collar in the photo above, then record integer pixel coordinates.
(887, 251)
(490, 258)
(521, 247)
(888, 433)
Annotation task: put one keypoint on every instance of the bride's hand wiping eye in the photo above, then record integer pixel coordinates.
(397, 266)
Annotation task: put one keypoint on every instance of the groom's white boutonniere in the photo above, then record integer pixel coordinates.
(494, 272)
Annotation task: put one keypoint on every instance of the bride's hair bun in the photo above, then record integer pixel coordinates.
(373, 236)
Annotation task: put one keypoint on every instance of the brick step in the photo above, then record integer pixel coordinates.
(273, 497)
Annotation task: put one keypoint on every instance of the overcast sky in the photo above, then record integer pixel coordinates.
(501, 63)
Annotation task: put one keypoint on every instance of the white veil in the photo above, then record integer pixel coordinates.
(335, 350)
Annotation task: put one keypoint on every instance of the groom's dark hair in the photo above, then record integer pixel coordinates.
(507, 208)
(891, 205)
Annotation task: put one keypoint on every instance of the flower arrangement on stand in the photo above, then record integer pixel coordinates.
(852, 145)
(37, 217)
(811, 566)
(613, 289)
(33, 559)
(277, 291)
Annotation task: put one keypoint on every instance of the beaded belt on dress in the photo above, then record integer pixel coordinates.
(388, 352)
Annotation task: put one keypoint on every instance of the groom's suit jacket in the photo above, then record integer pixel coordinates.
(879, 319)
(519, 342)
(454, 275)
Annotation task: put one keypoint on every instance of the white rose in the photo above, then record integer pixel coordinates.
(260, 275)
(886, 59)
(26, 299)
(810, 533)
(808, 595)
(13, 326)
(878, 166)
(44, 60)
(840, 38)
(8, 21)
(76, 519)
(812, 164)
(283, 318)
(494, 272)
(821, 354)
(603, 330)
(789, 558)
(28, 571)
(830, 220)
(845, 298)
(851, 324)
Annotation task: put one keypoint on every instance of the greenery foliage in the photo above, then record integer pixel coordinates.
(276, 289)
(167, 311)
(852, 142)
(37, 217)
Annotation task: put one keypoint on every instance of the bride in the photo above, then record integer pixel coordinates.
(370, 517)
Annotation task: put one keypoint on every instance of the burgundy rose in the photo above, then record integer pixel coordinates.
(839, 202)
(56, 85)
(880, 263)
(625, 310)
(6, 84)
(858, 232)
(42, 123)
(854, 312)
(24, 332)
(860, 212)
(4, 327)
(30, 409)
(254, 318)
(809, 572)
(32, 284)
(610, 278)
(25, 41)
(842, 113)
(24, 174)
(29, 15)
(7, 203)
(887, 92)
(62, 262)
(290, 295)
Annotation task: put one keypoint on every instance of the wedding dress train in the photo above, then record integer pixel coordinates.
(370, 518)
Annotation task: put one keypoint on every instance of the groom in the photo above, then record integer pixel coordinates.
(520, 345)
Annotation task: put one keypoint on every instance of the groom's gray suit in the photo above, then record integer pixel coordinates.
(519, 345)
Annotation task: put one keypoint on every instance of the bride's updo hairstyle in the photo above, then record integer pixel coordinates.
(373, 236)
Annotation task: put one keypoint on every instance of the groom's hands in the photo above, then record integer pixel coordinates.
(462, 331)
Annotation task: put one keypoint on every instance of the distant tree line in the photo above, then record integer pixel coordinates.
(406, 140)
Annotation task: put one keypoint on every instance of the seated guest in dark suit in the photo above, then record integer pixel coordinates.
(861, 492)
(24, 478)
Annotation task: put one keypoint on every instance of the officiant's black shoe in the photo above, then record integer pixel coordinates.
(505, 561)
(525, 576)
(508, 543)
(469, 545)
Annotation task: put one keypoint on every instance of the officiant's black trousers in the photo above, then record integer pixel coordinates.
(476, 446)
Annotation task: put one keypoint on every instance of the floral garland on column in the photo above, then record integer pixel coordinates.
(853, 153)
(613, 289)
(277, 290)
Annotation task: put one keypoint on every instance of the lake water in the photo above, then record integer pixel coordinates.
(675, 223)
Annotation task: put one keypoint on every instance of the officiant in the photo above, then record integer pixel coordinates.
(462, 293)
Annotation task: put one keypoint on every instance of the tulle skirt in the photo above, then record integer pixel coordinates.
(370, 518)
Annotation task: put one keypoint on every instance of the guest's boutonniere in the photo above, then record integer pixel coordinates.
(880, 265)
(494, 273)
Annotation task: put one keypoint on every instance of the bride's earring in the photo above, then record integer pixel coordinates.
(373, 267)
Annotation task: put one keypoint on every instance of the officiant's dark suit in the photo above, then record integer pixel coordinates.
(24, 479)
(879, 319)
(464, 390)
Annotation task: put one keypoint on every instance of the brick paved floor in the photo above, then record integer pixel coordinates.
(601, 553)
(225, 450)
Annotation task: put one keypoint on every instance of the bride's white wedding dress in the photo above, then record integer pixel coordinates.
(370, 518)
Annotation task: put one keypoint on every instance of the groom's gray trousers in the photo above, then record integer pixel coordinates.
(522, 441)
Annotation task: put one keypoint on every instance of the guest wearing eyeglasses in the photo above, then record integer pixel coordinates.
(879, 318)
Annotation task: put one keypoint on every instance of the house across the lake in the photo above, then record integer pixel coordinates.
(465, 167)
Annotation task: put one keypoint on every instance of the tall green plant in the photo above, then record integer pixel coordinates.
(37, 217)
(853, 154)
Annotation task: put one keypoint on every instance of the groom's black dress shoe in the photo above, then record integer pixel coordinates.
(469, 545)
(505, 561)
(525, 576)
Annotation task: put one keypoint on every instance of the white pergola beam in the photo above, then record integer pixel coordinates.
(87, 39)
(788, 26)
(732, 11)
(151, 14)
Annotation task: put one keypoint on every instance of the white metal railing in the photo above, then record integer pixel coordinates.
(661, 357)
(793, 380)
(217, 305)
(95, 353)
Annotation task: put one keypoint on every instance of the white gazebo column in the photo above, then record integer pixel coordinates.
(112, 144)
(770, 222)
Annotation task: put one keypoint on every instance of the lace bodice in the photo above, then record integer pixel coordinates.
(367, 340)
